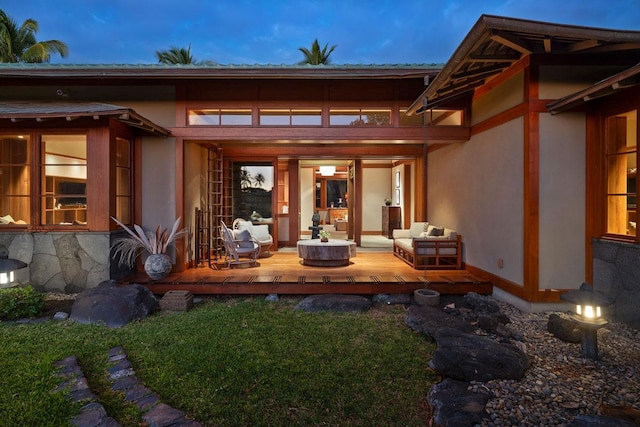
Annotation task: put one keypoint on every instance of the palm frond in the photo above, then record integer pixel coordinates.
(157, 242)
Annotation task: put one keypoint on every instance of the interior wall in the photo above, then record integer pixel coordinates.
(476, 188)
(307, 198)
(376, 185)
(562, 200)
(195, 173)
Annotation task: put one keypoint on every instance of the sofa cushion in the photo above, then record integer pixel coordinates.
(417, 228)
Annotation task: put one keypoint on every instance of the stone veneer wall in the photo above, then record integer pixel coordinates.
(616, 273)
(64, 262)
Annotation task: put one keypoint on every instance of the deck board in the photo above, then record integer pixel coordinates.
(282, 273)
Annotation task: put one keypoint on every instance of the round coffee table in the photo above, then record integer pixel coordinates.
(334, 253)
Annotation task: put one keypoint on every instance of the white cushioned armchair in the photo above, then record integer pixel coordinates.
(425, 246)
(260, 232)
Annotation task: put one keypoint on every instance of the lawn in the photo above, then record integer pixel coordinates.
(232, 362)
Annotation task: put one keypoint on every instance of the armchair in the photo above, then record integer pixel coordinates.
(260, 232)
(238, 244)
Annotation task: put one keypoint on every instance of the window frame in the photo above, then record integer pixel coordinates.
(28, 164)
(607, 157)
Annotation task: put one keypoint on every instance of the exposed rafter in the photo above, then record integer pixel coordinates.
(495, 43)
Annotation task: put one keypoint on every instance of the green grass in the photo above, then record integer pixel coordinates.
(234, 362)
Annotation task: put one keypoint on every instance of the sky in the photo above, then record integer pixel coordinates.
(271, 31)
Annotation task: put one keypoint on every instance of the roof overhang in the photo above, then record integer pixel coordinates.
(616, 83)
(40, 111)
(156, 71)
(495, 43)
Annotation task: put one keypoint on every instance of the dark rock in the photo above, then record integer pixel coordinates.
(453, 404)
(469, 357)
(479, 302)
(163, 415)
(564, 328)
(334, 302)
(392, 298)
(113, 305)
(428, 320)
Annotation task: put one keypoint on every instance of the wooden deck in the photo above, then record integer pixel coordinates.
(282, 273)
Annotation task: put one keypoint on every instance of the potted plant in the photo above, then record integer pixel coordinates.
(158, 264)
(324, 236)
(387, 201)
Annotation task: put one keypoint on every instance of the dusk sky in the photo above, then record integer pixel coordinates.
(271, 31)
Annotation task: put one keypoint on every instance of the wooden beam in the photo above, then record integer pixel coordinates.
(507, 39)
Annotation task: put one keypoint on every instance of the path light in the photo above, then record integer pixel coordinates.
(7, 267)
(588, 315)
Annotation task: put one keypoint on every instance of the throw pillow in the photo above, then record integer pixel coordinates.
(437, 231)
(243, 238)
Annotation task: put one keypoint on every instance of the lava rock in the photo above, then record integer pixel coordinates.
(454, 405)
(564, 328)
(334, 302)
(470, 357)
(113, 305)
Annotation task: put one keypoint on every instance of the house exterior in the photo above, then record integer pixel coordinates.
(494, 146)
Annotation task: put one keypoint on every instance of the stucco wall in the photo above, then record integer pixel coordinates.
(476, 188)
(556, 81)
(507, 95)
(562, 201)
(158, 183)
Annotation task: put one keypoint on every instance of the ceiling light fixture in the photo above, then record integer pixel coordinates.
(327, 170)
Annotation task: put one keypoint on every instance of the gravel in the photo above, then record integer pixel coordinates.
(560, 384)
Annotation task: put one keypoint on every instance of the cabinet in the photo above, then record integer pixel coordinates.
(390, 220)
(65, 201)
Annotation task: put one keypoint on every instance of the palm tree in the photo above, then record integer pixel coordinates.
(315, 56)
(175, 55)
(19, 44)
(259, 179)
(245, 178)
(179, 55)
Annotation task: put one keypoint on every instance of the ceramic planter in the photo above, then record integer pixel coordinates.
(157, 266)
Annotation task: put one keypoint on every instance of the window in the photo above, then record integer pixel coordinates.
(14, 180)
(622, 162)
(123, 181)
(64, 179)
(359, 117)
(220, 117)
(433, 117)
(253, 191)
(290, 117)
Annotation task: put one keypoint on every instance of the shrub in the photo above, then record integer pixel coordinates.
(16, 303)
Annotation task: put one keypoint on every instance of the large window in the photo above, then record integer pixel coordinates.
(14, 180)
(622, 164)
(64, 179)
(253, 191)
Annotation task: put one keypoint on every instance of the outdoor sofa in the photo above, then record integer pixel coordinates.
(425, 246)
